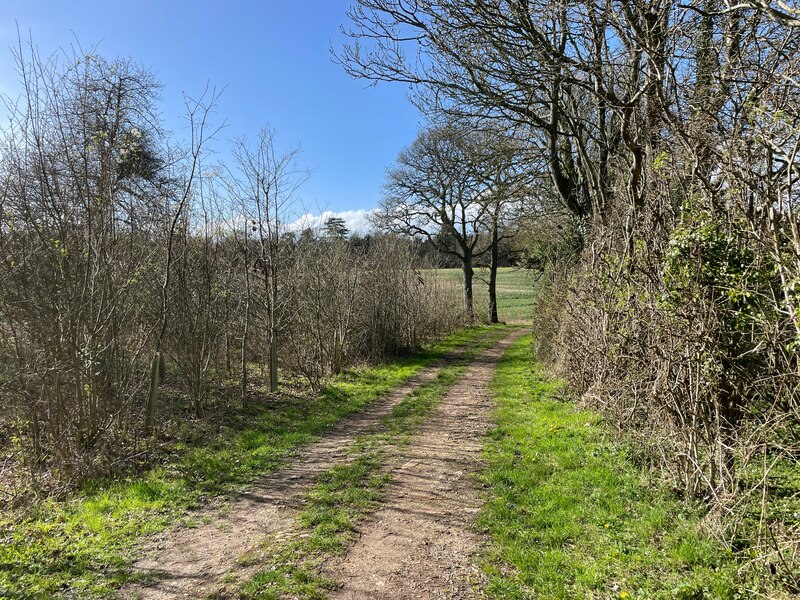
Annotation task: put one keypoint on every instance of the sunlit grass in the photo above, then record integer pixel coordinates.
(515, 292)
(569, 514)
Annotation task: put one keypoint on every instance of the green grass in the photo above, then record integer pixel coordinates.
(571, 517)
(515, 292)
(83, 546)
(346, 493)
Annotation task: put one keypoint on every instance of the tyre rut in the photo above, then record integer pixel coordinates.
(209, 559)
(421, 543)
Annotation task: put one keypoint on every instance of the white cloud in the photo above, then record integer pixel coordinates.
(357, 221)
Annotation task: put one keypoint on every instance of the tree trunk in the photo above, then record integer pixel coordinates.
(246, 324)
(273, 361)
(493, 273)
(468, 273)
(273, 327)
(156, 377)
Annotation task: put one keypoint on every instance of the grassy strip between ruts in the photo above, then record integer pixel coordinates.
(82, 547)
(345, 494)
(570, 516)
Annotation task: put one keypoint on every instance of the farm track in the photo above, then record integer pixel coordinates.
(210, 559)
(421, 543)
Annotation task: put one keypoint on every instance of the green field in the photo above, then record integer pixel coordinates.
(515, 292)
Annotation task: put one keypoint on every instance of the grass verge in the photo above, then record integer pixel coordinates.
(346, 493)
(570, 516)
(82, 546)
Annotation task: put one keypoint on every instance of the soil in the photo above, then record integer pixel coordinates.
(420, 543)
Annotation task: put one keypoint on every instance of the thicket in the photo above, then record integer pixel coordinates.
(670, 255)
(134, 270)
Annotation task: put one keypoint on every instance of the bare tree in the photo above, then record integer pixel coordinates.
(266, 185)
(435, 191)
(508, 178)
(538, 64)
(83, 174)
(199, 290)
(176, 203)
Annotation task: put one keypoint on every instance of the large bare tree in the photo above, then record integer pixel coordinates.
(84, 183)
(434, 191)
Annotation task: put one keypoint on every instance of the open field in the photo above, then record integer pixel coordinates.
(515, 292)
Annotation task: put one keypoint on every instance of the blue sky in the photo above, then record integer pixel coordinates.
(273, 59)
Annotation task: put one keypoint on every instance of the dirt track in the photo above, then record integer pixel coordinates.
(418, 545)
(422, 543)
